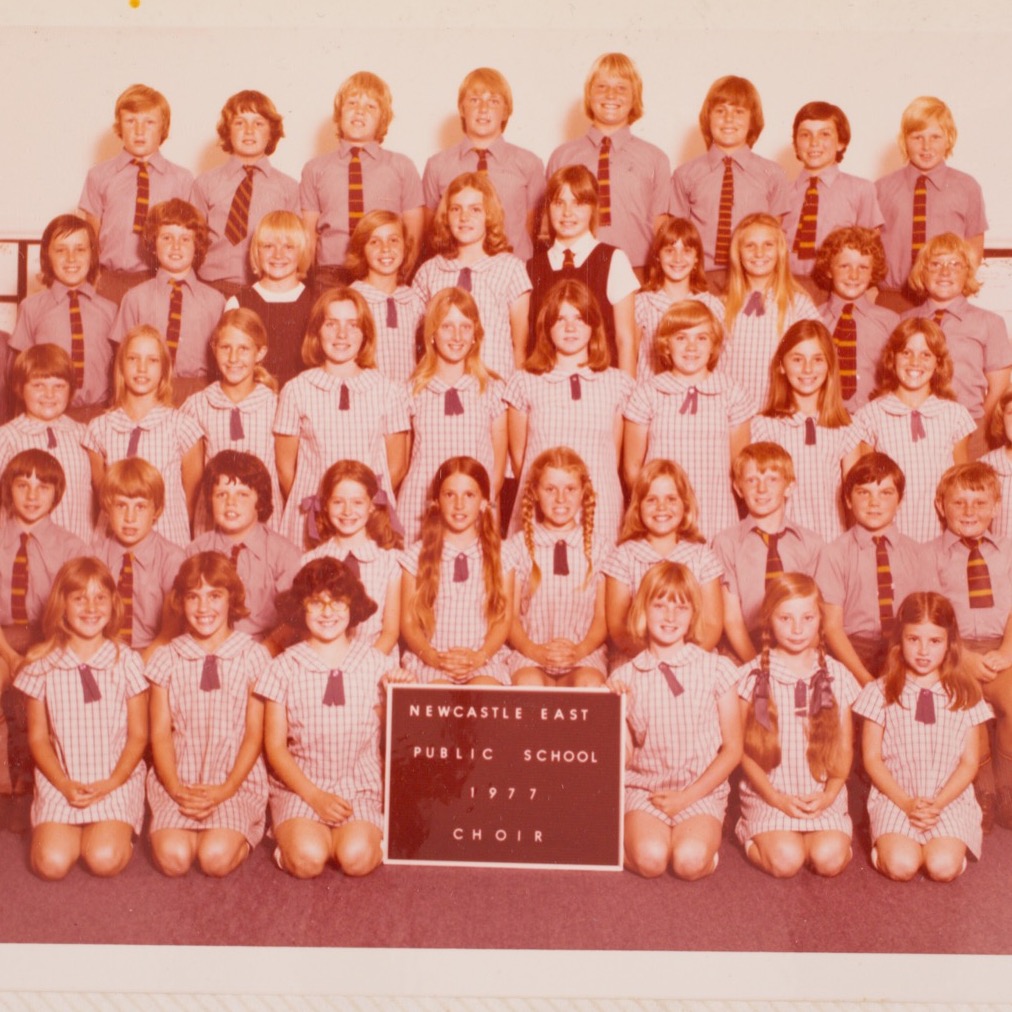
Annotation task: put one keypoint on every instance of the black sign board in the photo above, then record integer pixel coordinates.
(517, 777)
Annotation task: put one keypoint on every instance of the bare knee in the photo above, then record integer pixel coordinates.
(529, 677)
(106, 858)
(899, 865)
(692, 859)
(829, 858)
(218, 857)
(783, 858)
(587, 678)
(51, 863)
(647, 857)
(359, 854)
(172, 855)
(304, 858)
(944, 866)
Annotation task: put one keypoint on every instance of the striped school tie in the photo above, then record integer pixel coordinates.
(482, 154)
(235, 552)
(722, 249)
(125, 588)
(175, 322)
(978, 576)
(845, 339)
(238, 214)
(19, 583)
(804, 237)
(938, 315)
(143, 195)
(568, 260)
(76, 338)
(604, 182)
(919, 231)
(774, 566)
(356, 198)
(884, 576)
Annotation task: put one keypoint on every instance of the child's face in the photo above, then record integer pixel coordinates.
(235, 354)
(175, 248)
(796, 623)
(349, 507)
(465, 214)
(662, 509)
(924, 646)
(926, 148)
(874, 504)
(141, 131)
(569, 219)
(454, 337)
(764, 491)
(205, 609)
(326, 617)
(70, 257)
(677, 260)
(341, 333)
(384, 250)
(805, 367)
(915, 363)
(559, 494)
(850, 272)
(249, 134)
(483, 112)
(968, 512)
(817, 144)
(759, 252)
(945, 276)
(142, 366)
(668, 621)
(45, 397)
(88, 611)
(233, 507)
(460, 503)
(131, 518)
(611, 99)
(691, 349)
(570, 333)
(729, 125)
(360, 116)
(278, 257)
(31, 499)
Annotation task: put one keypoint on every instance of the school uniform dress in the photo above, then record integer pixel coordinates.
(873, 324)
(577, 410)
(110, 194)
(163, 436)
(44, 318)
(517, 174)
(562, 605)
(1001, 525)
(890, 426)
(437, 436)
(921, 757)
(155, 561)
(390, 182)
(675, 727)
(638, 173)
(690, 423)
(62, 438)
(149, 303)
(396, 318)
(978, 343)
(212, 194)
(87, 736)
(955, 203)
(377, 569)
(208, 726)
(246, 426)
(650, 307)
(310, 408)
(817, 452)
(793, 775)
(844, 200)
(754, 337)
(496, 283)
(759, 186)
(459, 610)
(336, 745)
(285, 316)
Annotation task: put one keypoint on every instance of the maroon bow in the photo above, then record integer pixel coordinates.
(89, 686)
(452, 404)
(134, 442)
(351, 564)
(464, 279)
(50, 438)
(391, 313)
(333, 694)
(560, 559)
(235, 430)
(756, 305)
(311, 506)
(344, 399)
(209, 680)
(669, 676)
(821, 696)
(917, 426)
(574, 387)
(460, 568)
(925, 712)
(809, 432)
(691, 403)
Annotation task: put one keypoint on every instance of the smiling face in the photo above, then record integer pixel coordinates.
(968, 512)
(236, 354)
(141, 131)
(360, 116)
(662, 508)
(454, 337)
(205, 609)
(32, 500)
(327, 618)
(570, 334)
(668, 621)
(465, 215)
(131, 518)
(611, 100)
(874, 504)
(175, 248)
(87, 612)
(805, 367)
(384, 250)
(569, 219)
(945, 276)
(250, 135)
(817, 144)
(927, 147)
(764, 491)
(915, 363)
(341, 334)
(690, 350)
(70, 258)
(233, 507)
(483, 113)
(677, 260)
(559, 494)
(278, 258)
(349, 508)
(45, 397)
(460, 502)
(924, 646)
(758, 248)
(795, 624)
(729, 125)
(142, 366)
(850, 272)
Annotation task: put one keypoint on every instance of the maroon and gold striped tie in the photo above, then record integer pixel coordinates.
(19, 583)
(125, 588)
(604, 182)
(919, 231)
(774, 566)
(978, 576)
(238, 214)
(482, 154)
(76, 338)
(175, 322)
(804, 237)
(143, 195)
(845, 339)
(722, 249)
(884, 575)
(356, 199)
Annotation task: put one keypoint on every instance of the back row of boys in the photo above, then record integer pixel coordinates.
(715, 190)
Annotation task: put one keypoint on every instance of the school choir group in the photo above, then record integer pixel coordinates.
(716, 440)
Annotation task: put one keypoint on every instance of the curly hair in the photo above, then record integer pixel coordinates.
(215, 570)
(941, 380)
(864, 241)
(240, 468)
(325, 576)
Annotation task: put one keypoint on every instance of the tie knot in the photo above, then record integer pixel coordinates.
(249, 170)
(972, 543)
(355, 151)
(605, 143)
(568, 260)
(727, 162)
(848, 308)
(139, 162)
(175, 284)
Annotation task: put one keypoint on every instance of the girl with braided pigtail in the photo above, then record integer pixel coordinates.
(798, 739)
(558, 629)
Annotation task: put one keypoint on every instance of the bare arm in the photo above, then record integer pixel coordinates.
(634, 451)
(840, 645)
(711, 623)
(391, 627)
(617, 601)
(398, 445)
(286, 455)
(519, 323)
(309, 220)
(734, 627)
(516, 422)
(500, 441)
(625, 334)
(192, 468)
(414, 226)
